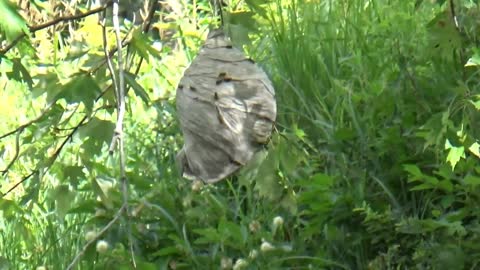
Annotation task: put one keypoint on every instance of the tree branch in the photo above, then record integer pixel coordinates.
(100, 233)
(51, 159)
(17, 151)
(35, 28)
(22, 127)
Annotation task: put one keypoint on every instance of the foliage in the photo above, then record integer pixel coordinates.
(374, 165)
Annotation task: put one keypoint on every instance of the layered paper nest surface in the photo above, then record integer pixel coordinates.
(226, 108)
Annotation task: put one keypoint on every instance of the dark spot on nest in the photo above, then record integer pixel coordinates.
(180, 86)
(193, 88)
(250, 60)
(229, 46)
(215, 96)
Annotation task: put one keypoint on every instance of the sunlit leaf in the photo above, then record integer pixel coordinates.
(473, 61)
(256, 5)
(63, 199)
(97, 132)
(475, 149)
(143, 46)
(20, 73)
(11, 23)
(455, 153)
(81, 89)
(137, 88)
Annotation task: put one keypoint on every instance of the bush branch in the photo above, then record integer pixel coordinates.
(99, 234)
(34, 28)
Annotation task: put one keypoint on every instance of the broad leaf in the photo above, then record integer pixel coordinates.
(81, 89)
(137, 88)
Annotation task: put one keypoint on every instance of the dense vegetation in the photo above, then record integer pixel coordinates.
(374, 163)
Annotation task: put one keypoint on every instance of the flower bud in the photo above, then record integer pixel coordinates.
(253, 254)
(102, 246)
(277, 222)
(90, 235)
(287, 248)
(254, 226)
(240, 264)
(266, 247)
(197, 185)
(226, 263)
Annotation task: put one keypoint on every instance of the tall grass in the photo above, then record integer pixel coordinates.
(360, 78)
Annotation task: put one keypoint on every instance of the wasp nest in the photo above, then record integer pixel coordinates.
(226, 108)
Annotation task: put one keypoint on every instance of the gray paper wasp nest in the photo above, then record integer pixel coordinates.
(226, 108)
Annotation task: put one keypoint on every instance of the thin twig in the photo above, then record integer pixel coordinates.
(146, 26)
(21, 127)
(121, 84)
(109, 59)
(17, 151)
(100, 233)
(118, 133)
(33, 29)
(51, 159)
(19, 183)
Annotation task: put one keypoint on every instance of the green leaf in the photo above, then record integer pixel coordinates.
(423, 186)
(443, 34)
(46, 83)
(256, 5)
(81, 89)
(445, 185)
(20, 73)
(473, 61)
(101, 187)
(208, 236)
(142, 45)
(454, 153)
(63, 199)
(98, 132)
(74, 174)
(4, 264)
(231, 231)
(166, 252)
(84, 207)
(476, 103)
(413, 170)
(11, 22)
(471, 180)
(9, 208)
(322, 180)
(267, 181)
(137, 88)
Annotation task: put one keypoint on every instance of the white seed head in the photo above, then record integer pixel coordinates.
(226, 263)
(41, 268)
(266, 247)
(254, 226)
(287, 248)
(90, 235)
(197, 185)
(102, 246)
(100, 212)
(277, 222)
(240, 264)
(253, 254)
